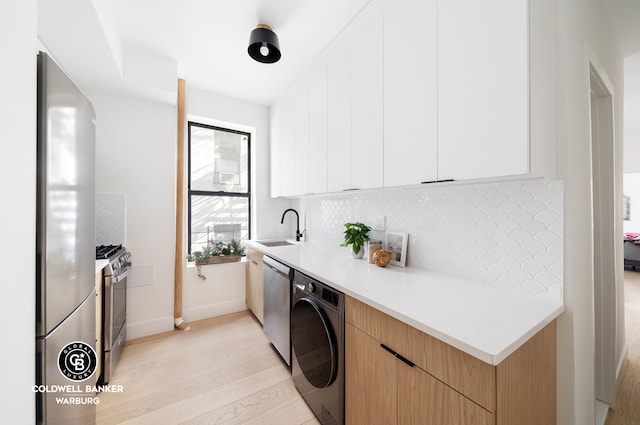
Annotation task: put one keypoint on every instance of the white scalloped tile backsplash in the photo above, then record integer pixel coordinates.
(507, 235)
(110, 218)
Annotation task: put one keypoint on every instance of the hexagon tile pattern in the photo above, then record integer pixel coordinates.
(507, 235)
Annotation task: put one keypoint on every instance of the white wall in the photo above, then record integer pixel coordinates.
(18, 213)
(223, 291)
(265, 212)
(135, 156)
(632, 114)
(142, 133)
(581, 26)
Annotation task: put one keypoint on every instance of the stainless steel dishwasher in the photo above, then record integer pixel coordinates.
(277, 306)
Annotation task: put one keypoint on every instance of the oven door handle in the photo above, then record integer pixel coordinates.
(118, 278)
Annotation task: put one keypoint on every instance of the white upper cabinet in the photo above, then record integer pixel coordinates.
(301, 139)
(287, 147)
(410, 92)
(275, 141)
(339, 113)
(367, 55)
(483, 88)
(318, 125)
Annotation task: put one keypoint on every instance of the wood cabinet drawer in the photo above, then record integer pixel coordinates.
(380, 326)
(462, 372)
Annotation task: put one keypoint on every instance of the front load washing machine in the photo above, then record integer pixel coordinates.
(317, 347)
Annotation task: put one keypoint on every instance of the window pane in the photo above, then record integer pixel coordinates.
(219, 160)
(219, 218)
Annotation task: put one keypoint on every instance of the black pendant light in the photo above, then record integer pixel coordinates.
(263, 45)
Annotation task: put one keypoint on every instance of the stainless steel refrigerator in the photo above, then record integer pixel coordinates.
(65, 250)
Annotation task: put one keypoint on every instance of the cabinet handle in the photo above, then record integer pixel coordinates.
(405, 360)
(388, 349)
(437, 181)
(254, 262)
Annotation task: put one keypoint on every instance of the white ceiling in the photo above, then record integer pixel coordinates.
(206, 40)
(112, 44)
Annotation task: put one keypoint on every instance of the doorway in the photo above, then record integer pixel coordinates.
(604, 236)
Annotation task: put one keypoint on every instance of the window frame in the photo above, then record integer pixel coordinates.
(218, 193)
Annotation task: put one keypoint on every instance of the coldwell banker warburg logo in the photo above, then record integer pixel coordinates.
(77, 361)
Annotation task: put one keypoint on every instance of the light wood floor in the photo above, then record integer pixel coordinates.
(627, 410)
(222, 371)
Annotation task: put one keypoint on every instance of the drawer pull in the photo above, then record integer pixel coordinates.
(388, 349)
(405, 360)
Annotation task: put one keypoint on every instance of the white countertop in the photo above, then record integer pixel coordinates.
(487, 323)
(101, 264)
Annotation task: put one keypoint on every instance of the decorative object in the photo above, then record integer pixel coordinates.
(216, 252)
(381, 257)
(626, 208)
(356, 234)
(372, 247)
(264, 45)
(396, 244)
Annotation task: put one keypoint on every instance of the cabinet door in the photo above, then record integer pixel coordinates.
(367, 98)
(318, 126)
(410, 92)
(483, 88)
(423, 400)
(301, 138)
(339, 113)
(370, 381)
(255, 284)
(286, 146)
(275, 146)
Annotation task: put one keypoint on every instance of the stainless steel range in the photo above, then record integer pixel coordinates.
(114, 305)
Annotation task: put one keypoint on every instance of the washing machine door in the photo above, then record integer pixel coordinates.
(314, 343)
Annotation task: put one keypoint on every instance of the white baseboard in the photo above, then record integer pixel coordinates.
(213, 310)
(602, 410)
(150, 327)
(620, 369)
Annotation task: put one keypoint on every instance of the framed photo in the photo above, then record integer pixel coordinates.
(396, 244)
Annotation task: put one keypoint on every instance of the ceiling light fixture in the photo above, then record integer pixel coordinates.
(263, 45)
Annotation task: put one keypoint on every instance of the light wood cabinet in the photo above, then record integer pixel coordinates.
(396, 374)
(255, 283)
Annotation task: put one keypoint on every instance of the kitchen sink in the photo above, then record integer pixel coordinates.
(274, 243)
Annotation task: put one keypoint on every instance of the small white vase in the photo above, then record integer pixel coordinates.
(360, 253)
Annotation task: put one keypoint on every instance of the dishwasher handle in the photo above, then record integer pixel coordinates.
(278, 267)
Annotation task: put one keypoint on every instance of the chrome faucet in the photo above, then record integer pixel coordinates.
(298, 233)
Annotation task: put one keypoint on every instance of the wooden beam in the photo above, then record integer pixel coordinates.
(180, 189)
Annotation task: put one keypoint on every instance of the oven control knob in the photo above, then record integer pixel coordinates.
(311, 287)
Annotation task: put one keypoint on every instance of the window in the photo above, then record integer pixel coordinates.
(219, 188)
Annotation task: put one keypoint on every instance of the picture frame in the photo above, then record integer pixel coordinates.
(396, 244)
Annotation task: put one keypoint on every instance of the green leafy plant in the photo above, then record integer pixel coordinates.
(356, 234)
(215, 248)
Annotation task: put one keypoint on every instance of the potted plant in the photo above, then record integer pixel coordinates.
(356, 234)
(217, 252)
